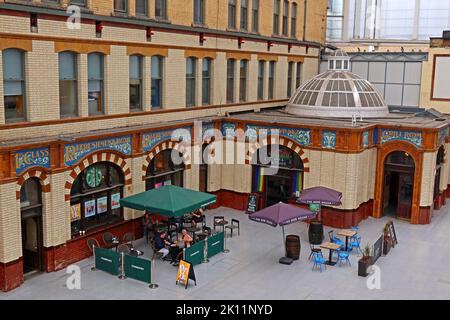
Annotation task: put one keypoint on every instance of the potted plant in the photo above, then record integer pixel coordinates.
(387, 241)
(365, 262)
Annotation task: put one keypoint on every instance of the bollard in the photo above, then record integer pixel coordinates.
(152, 284)
(225, 250)
(122, 268)
(93, 252)
(205, 251)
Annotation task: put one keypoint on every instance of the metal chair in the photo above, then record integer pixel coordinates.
(343, 256)
(314, 251)
(123, 248)
(331, 235)
(108, 238)
(91, 243)
(234, 225)
(128, 239)
(217, 219)
(319, 261)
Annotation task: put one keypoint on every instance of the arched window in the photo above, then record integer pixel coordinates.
(30, 196)
(68, 84)
(95, 195)
(14, 84)
(165, 170)
(400, 158)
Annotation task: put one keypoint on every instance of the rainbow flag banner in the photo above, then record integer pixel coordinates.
(297, 181)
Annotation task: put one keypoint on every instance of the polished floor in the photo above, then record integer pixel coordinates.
(417, 268)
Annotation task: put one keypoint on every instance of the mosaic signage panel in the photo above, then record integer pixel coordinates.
(414, 137)
(76, 151)
(365, 139)
(228, 129)
(25, 159)
(301, 136)
(208, 130)
(151, 139)
(329, 139)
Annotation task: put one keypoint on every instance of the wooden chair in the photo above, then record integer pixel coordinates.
(108, 238)
(234, 225)
(217, 219)
(123, 248)
(128, 239)
(91, 243)
(314, 251)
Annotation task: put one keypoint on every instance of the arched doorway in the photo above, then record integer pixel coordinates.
(94, 197)
(163, 170)
(437, 179)
(285, 182)
(32, 229)
(398, 185)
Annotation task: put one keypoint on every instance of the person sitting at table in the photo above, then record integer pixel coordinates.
(186, 238)
(197, 216)
(161, 242)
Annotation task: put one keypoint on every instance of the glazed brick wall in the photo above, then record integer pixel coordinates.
(11, 275)
(2, 106)
(117, 81)
(428, 176)
(10, 236)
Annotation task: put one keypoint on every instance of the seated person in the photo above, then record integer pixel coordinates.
(197, 217)
(186, 238)
(161, 242)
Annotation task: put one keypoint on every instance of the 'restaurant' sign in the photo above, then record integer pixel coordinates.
(25, 159)
(76, 151)
(414, 137)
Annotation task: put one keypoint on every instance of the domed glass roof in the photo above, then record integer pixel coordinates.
(338, 93)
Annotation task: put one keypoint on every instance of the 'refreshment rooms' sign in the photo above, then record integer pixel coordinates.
(414, 137)
(76, 151)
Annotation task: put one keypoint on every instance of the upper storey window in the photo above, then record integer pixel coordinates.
(232, 14)
(95, 84)
(14, 85)
(161, 9)
(276, 16)
(255, 16)
(199, 11)
(141, 8)
(121, 6)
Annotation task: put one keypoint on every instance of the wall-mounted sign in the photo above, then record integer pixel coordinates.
(329, 139)
(208, 130)
(115, 201)
(76, 151)
(301, 136)
(228, 129)
(443, 133)
(414, 137)
(365, 139)
(151, 139)
(25, 159)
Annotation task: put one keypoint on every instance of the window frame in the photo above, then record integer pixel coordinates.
(159, 79)
(271, 80)
(276, 17)
(74, 81)
(199, 17)
(206, 81)
(163, 9)
(243, 80)
(232, 12)
(261, 76)
(140, 14)
(118, 10)
(20, 99)
(140, 83)
(101, 80)
(244, 16)
(294, 9)
(191, 85)
(231, 65)
(290, 75)
(285, 22)
(255, 16)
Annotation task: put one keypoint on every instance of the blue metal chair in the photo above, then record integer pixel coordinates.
(319, 261)
(338, 241)
(355, 243)
(343, 256)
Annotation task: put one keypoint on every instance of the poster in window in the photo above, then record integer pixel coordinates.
(168, 182)
(115, 204)
(89, 208)
(102, 205)
(75, 212)
(159, 184)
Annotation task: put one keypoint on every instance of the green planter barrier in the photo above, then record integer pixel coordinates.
(138, 268)
(107, 260)
(216, 244)
(195, 254)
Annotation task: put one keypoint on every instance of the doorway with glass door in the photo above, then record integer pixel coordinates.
(398, 185)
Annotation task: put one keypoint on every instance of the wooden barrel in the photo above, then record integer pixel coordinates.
(293, 247)
(315, 232)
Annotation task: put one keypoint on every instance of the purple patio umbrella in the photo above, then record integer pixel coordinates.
(281, 214)
(321, 196)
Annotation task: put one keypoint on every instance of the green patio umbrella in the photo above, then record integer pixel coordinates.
(170, 201)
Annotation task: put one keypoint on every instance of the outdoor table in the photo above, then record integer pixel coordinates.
(347, 233)
(222, 224)
(192, 230)
(330, 246)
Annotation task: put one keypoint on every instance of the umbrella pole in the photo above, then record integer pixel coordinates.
(284, 242)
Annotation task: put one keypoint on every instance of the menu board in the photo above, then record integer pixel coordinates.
(392, 233)
(102, 205)
(252, 203)
(75, 212)
(115, 201)
(185, 272)
(377, 249)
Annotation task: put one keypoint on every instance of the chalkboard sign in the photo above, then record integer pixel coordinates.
(392, 233)
(185, 272)
(252, 203)
(377, 249)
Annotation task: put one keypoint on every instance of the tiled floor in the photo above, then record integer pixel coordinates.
(417, 268)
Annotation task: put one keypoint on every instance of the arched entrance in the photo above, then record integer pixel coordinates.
(437, 179)
(398, 185)
(163, 170)
(94, 197)
(285, 182)
(32, 226)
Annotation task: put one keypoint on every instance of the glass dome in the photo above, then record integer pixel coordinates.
(338, 93)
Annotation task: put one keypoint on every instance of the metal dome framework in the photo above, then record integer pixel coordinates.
(338, 93)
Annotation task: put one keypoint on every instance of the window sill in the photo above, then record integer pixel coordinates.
(199, 25)
(161, 20)
(97, 230)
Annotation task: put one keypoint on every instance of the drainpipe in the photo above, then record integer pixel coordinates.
(305, 3)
